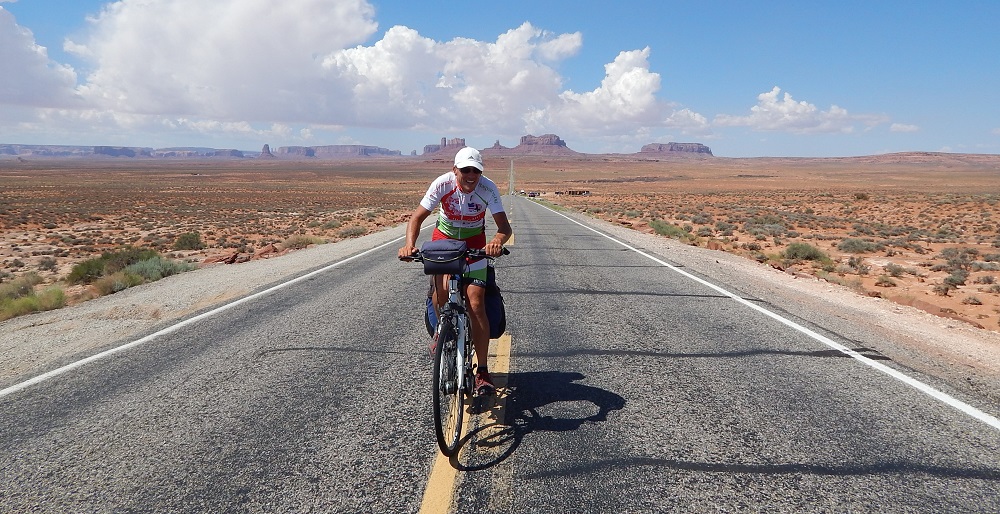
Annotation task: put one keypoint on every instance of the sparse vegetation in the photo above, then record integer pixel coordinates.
(189, 241)
(804, 252)
(348, 232)
(855, 245)
(18, 297)
(300, 242)
(669, 230)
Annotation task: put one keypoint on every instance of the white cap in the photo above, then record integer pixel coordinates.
(469, 156)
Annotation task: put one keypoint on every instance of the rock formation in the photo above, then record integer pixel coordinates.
(453, 144)
(696, 148)
(118, 151)
(265, 153)
(297, 151)
(544, 140)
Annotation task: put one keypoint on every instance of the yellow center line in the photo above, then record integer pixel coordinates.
(439, 496)
(442, 484)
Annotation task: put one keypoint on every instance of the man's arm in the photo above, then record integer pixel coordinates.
(413, 231)
(504, 231)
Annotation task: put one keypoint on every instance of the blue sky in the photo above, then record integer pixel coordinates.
(780, 78)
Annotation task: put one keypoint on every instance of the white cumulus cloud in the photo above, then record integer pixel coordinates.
(903, 127)
(252, 68)
(775, 112)
(231, 60)
(29, 78)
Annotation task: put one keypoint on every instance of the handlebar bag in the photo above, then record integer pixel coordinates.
(444, 256)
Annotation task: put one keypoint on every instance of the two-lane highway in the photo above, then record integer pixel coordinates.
(632, 388)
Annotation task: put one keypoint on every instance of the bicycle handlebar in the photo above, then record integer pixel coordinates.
(475, 253)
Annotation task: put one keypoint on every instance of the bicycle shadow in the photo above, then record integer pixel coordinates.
(513, 413)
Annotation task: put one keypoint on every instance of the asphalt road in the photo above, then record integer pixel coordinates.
(632, 388)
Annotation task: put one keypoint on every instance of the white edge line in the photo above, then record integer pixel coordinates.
(902, 377)
(190, 321)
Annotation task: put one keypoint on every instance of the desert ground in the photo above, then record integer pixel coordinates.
(918, 229)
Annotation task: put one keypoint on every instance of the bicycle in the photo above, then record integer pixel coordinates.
(452, 374)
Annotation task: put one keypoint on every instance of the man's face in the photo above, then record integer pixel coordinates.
(468, 178)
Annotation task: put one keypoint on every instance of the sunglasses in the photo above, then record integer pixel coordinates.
(470, 169)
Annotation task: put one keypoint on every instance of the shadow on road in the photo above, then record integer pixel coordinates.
(515, 414)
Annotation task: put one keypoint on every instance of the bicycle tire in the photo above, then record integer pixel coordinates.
(447, 399)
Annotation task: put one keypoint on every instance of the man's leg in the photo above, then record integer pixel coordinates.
(479, 323)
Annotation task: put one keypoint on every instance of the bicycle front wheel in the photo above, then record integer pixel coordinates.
(448, 408)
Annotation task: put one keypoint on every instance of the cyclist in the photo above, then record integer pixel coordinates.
(465, 195)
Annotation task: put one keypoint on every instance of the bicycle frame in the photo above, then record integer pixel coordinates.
(456, 309)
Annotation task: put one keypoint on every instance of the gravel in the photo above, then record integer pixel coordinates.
(963, 357)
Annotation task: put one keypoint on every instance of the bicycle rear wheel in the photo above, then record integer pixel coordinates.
(448, 408)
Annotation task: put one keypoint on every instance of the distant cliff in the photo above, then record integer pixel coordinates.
(336, 151)
(676, 147)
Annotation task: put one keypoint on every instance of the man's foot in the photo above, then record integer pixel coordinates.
(433, 346)
(484, 384)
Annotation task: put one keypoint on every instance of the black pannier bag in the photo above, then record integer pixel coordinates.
(495, 310)
(444, 256)
(430, 317)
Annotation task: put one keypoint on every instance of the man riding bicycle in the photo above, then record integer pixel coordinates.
(464, 195)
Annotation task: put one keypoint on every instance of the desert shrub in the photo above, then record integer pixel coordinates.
(725, 228)
(894, 270)
(189, 241)
(804, 252)
(47, 264)
(117, 282)
(332, 224)
(300, 242)
(957, 278)
(702, 219)
(941, 289)
(705, 232)
(156, 268)
(668, 229)
(860, 196)
(855, 245)
(885, 281)
(52, 298)
(984, 279)
(352, 232)
(108, 263)
(971, 300)
(86, 272)
(859, 265)
(764, 229)
(19, 287)
(985, 266)
(120, 259)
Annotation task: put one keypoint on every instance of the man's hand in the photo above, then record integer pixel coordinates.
(493, 249)
(407, 251)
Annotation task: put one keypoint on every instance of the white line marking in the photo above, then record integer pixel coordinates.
(910, 381)
(173, 328)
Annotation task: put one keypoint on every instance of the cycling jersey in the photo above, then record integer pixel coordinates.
(463, 215)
